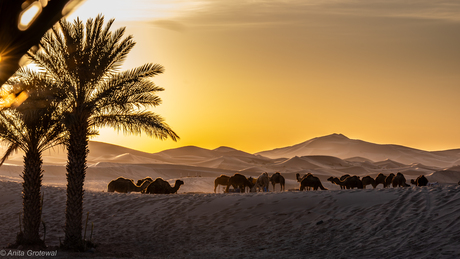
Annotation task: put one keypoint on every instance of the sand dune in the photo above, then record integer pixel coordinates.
(412, 222)
(383, 223)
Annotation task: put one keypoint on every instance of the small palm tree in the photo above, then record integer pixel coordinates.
(33, 127)
(84, 61)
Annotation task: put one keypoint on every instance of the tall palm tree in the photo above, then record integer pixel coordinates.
(84, 61)
(33, 127)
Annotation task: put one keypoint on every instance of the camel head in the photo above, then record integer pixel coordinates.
(179, 183)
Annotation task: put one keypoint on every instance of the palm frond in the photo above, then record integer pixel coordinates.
(12, 147)
(137, 123)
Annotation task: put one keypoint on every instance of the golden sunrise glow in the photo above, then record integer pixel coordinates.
(254, 76)
(28, 15)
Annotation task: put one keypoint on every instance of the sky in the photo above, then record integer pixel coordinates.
(256, 75)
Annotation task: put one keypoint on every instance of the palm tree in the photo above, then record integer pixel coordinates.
(33, 127)
(84, 61)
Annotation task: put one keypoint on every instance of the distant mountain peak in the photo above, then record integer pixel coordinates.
(335, 135)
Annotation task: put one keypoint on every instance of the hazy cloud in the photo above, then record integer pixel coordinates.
(253, 12)
(170, 25)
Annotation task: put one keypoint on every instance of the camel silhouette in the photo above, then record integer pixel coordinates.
(239, 181)
(277, 178)
(380, 179)
(160, 186)
(262, 182)
(352, 182)
(389, 180)
(299, 178)
(125, 185)
(399, 180)
(367, 180)
(311, 181)
(338, 181)
(420, 181)
(221, 180)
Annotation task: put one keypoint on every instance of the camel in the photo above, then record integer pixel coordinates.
(125, 185)
(380, 179)
(399, 180)
(420, 181)
(262, 182)
(239, 181)
(367, 180)
(299, 179)
(160, 186)
(388, 180)
(221, 180)
(337, 181)
(277, 178)
(352, 182)
(311, 181)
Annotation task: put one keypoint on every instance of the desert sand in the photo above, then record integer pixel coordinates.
(411, 222)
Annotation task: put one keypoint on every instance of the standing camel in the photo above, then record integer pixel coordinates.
(380, 179)
(311, 181)
(367, 180)
(239, 181)
(389, 180)
(221, 180)
(262, 182)
(399, 181)
(420, 181)
(277, 178)
(299, 178)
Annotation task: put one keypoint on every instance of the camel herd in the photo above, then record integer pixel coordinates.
(239, 183)
(310, 182)
(146, 185)
(398, 180)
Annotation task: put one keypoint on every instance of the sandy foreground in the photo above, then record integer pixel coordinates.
(411, 222)
(415, 222)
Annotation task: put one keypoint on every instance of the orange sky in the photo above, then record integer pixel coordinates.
(257, 75)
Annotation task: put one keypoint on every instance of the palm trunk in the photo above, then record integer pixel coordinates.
(76, 170)
(31, 195)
